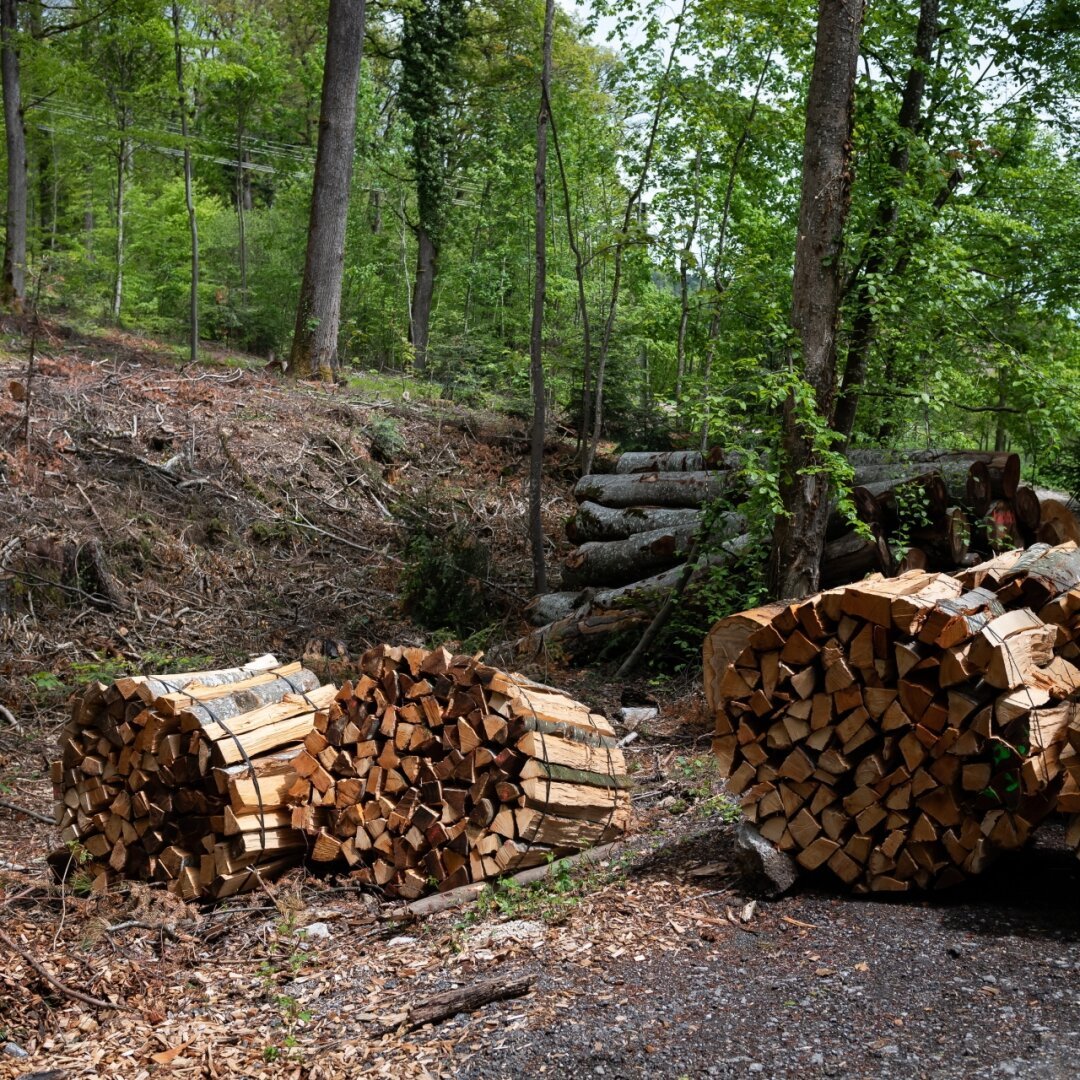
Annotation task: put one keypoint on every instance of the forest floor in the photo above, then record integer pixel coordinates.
(237, 514)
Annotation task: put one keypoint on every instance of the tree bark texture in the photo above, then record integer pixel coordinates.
(423, 291)
(864, 325)
(189, 196)
(318, 312)
(536, 337)
(799, 535)
(13, 287)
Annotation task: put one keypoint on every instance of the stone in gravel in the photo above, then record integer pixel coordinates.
(315, 930)
(765, 868)
(15, 1050)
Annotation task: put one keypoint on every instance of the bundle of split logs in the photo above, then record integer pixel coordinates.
(900, 732)
(926, 509)
(427, 770)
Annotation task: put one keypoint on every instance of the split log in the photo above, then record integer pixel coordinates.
(668, 489)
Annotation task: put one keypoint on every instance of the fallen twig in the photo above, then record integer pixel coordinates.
(10, 718)
(52, 980)
(466, 999)
(29, 813)
(157, 928)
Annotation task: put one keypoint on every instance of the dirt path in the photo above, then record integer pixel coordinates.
(645, 971)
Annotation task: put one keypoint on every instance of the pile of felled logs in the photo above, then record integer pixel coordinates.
(923, 509)
(425, 771)
(899, 733)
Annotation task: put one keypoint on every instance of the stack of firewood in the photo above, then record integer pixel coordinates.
(428, 770)
(923, 509)
(435, 768)
(900, 732)
(141, 783)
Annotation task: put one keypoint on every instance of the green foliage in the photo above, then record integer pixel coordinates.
(444, 580)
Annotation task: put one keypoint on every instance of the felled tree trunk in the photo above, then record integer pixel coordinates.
(594, 522)
(618, 562)
(673, 489)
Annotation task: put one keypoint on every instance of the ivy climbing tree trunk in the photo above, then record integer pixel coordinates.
(536, 338)
(13, 287)
(318, 313)
(432, 31)
(189, 194)
(799, 535)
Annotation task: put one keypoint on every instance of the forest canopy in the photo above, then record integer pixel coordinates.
(672, 196)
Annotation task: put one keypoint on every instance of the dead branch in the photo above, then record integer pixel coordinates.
(7, 804)
(467, 999)
(52, 980)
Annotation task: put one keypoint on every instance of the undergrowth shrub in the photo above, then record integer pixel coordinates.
(444, 581)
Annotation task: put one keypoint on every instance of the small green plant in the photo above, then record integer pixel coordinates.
(913, 513)
(444, 582)
(387, 442)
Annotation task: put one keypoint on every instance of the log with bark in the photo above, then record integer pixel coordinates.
(899, 733)
(621, 562)
(667, 489)
(593, 522)
(669, 461)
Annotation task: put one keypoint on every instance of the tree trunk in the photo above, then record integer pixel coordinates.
(632, 204)
(864, 326)
(536, 338)
(189, 196)
(799, 535)
(618, 562)
(13, 287)
(243, 196)
(318, 312)
(123, 155)
(423, 290)
(684, 287)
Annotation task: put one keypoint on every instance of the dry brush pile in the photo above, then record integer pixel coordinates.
(423, 771)
(900, 732)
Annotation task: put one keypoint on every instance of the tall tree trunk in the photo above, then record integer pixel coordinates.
(799, 536)
(582, 300)
(123, 154)
(242, 197)
(13, 287)
(632, 204)
(719, 282)
(189, 195)
(536, 338)
(318, 313)
(423, 291)
(864, 324)
(684, 286)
